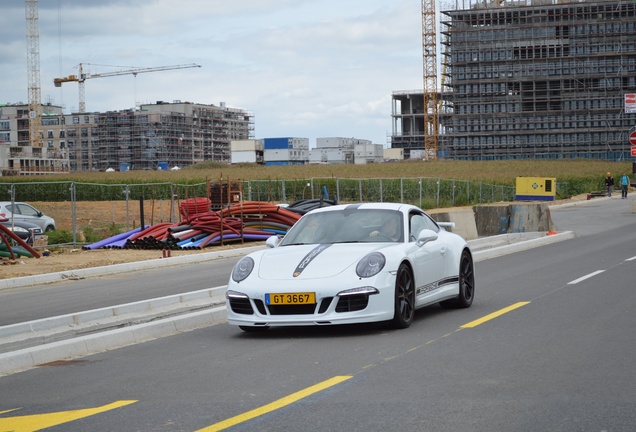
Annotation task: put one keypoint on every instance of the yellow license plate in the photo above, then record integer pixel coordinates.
(299, 298)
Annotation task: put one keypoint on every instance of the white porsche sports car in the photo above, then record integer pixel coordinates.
(348, 264)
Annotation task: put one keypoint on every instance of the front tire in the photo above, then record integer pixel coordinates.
(254, 329)
(404, 298)
(466, 284)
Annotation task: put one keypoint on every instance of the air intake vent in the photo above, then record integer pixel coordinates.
(548, 185)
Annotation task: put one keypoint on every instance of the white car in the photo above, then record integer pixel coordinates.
(344, 264)
(23, 212)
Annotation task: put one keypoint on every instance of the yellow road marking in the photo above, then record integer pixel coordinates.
(494, 315)
(280, 403)
(30, 423)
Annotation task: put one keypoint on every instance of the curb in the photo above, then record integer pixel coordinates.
(62, 327)
(482, 255)
(18, 361)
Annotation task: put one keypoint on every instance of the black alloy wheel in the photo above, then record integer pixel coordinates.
(466, 284)
(404, 298)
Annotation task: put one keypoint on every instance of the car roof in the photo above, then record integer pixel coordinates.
(368, 206)
(6, 203)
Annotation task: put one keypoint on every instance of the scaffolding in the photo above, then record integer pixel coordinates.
(178, 134)
(531, 79)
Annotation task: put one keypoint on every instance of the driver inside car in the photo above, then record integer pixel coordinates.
(390, 229)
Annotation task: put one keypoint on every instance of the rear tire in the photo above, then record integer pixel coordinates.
(404, 298)
(466, 284)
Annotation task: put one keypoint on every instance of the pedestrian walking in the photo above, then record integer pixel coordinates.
(609, 183)
(624, 185)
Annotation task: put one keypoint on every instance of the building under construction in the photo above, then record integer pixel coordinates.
(175, 134)
(22, 155)
(531, 79)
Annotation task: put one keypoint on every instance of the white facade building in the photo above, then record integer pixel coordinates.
(340, 150)
(247, 151)
(365, 153)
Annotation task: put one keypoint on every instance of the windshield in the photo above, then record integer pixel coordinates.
(347, 226)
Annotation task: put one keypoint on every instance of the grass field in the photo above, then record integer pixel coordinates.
(581, 176)
(497, 172)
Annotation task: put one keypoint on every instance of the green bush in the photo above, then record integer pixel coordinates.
(59, 237)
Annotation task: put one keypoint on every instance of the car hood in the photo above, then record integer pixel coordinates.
(312, 261)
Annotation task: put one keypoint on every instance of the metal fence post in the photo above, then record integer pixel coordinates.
(284, 195)
(127, 192)
(468, 191)
(438, 190)
(73, 212)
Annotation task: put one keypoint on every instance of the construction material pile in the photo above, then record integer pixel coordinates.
(200, 227)
(12, 246)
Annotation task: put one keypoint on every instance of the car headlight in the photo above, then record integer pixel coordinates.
(370, 265)
(242, 269)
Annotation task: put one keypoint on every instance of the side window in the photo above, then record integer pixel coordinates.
(418, 222)
(26, 210)
(431, 224)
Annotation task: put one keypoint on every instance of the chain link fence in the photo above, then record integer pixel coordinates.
(159, 202)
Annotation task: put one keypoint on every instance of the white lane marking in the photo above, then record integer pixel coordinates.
(631, 259)
(585, 277)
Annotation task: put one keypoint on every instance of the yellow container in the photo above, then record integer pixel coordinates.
(535, 189)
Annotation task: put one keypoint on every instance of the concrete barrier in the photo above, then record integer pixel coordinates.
(463, 219)
(512, 218)
(529, 217)
(491, 220)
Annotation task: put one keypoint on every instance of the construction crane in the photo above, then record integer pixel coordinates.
(84, 76)
(431, 105)
(33, 71)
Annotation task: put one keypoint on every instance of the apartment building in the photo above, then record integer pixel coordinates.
(18, 155)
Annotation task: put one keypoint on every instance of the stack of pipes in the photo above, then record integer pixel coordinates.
(200, 227)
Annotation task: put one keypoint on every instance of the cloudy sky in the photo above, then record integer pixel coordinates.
(304, 68)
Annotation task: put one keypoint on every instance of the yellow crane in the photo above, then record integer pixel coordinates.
(431, 105)
(33, 71)
(81, 77)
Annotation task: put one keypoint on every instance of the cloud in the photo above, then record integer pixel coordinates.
(305, 68)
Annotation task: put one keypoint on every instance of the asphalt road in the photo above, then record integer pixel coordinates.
(556, 355)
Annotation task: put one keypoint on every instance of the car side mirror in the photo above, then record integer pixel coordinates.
(425, 236)
(272, 241)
